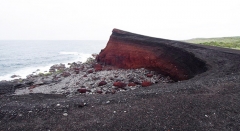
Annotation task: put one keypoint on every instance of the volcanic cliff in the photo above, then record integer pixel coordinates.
(129, 51)
(207, 101)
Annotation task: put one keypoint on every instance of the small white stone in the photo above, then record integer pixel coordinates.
(108, 102)
(114, 111)
(124, 111)
(65, 114)
(58, 104)
(206, 115)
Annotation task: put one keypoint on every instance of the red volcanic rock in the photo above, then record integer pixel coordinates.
(90, 71)
(82, 90)
(149, 75)
(76, 70)
(137, 82)
(66, 74)
(109, 69)
(98, 67)
(131, 84)
(119, 84)
(33, 86)
(146, 83)
(99, 92)
(102, 83)
(130, 51)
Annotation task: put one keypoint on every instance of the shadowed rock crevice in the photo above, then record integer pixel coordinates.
(129, 51)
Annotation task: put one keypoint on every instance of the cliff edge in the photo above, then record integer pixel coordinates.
(129, 51)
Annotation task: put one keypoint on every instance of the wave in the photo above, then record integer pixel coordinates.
(23, 72)
(68, 53)
(82, 56)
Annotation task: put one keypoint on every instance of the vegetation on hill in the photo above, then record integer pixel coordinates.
(226, 42)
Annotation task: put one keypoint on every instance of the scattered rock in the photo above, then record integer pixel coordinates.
(33, 86)
(131, 84)
(119, 84)
(99, 91)
(14, 76)
(90, 71)
(98, 67)
(76, 70)
(107, 80)
(65, 114)
(82, 90)
(66, 74)
(146, 83)
(80, 105)
(137, 83)
(102, 83)
(149, 75)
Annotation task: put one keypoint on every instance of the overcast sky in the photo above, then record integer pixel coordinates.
(95, 19)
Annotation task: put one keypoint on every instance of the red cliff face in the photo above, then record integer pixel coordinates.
(127, 50)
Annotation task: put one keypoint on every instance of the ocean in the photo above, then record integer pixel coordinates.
(26, 56)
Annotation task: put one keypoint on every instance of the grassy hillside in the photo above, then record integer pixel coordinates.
(226, 42)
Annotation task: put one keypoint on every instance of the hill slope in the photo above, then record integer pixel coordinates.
(226, 42)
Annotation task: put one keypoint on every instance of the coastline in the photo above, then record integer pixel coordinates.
(208, 101)
(41, 54)
(86, 78)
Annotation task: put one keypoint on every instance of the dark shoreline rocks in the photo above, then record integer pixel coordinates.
(87, 80)
(208, 101)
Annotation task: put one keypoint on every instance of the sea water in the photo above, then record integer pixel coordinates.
(25, 57)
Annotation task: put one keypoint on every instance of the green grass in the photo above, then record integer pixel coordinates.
(226, 42)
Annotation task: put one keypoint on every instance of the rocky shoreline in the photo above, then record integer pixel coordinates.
(206, 97)
(87, 78)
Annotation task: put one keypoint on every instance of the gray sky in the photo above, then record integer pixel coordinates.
(95, 19)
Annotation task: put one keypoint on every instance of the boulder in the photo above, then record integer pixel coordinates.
(146, 83)
(149, 75)
(65, 74)
(14, 76)
(131, 84)
(82, 90)
(102, 83)
(119, 84)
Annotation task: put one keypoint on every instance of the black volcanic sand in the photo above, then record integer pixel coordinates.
(209, 101)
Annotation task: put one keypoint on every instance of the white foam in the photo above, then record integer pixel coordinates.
(25, 71)
(43, 69)
(68, 53)
(84, 57)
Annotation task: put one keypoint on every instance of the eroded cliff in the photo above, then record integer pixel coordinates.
(129, 51)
